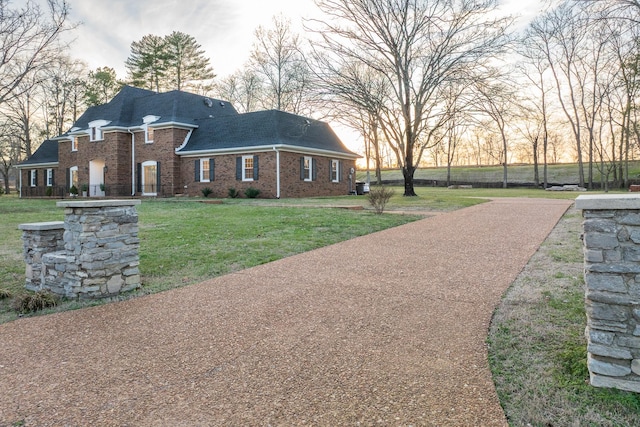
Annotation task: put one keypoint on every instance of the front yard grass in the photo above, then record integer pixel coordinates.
(537, 348)
(184, 242)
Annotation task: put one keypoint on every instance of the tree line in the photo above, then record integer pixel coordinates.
(438, 82)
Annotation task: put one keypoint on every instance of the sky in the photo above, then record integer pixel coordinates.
(224, 28)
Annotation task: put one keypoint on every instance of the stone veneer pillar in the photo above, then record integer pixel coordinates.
(99, 255)
(39, 239)
(612, 274)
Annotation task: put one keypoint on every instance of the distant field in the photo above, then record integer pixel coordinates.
(557, 174)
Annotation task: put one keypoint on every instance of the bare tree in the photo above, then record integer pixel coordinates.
(277, 59)
(29, 39)
(418, 45)
(62, 90)
(496, 100)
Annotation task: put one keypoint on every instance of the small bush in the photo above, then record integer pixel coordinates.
(251, 192)
(28, 303)
(233, 193)
(73, 190)
(378, 198)
(49, 191)
(206, 191)
(5, 293)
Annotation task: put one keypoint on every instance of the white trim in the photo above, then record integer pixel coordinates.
(48, 174)
(337, 163)
(32, 178)
(265, 148)
(205, 177)
(184, 143)
(244, 168)
(142, 166)
(36, 165)
(310, 169)
(71, 184)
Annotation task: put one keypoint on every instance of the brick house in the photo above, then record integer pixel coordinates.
(144, 143)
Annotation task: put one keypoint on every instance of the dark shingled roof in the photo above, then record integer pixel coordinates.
(46, 153)
(131, 104)
(262, 128)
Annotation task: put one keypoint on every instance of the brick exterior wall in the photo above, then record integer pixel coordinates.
(178, 173)
(290, 183)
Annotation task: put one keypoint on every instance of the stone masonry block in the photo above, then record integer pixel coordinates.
(609, 351)
(610, 369)
(606, 282)
(618, 383)
(600, 241)
(607, 312)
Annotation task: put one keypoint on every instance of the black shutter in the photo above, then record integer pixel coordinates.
(35, 175)
(302, 168)
(196, 168)
(239, 168)
(139, 177)
(255, 168)
(314, 170)
(339, 167)
(330, 170)
(212, 168)
(158, 180)
(53, 177)
(68, 179)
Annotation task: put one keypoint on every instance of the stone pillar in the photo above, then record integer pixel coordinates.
(39, 239)
(93, 254)
(101, 239)
(612, 275)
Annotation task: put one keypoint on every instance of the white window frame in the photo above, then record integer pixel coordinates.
(308, 171)
(73, 170)
(204, 177)
(95, 134)
(149, 163)
(32, 177)
(49, 178)
(335, 170)
(148, 134)
(74, 143)
(246, 159)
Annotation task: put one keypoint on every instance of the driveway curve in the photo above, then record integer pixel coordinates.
(385, 329)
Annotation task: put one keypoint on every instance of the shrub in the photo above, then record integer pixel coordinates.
(49, 191)
(28, 303)
(233, 193)
(206, 191)
(5, 293)
(73, 190)
(379, 196)
(251, 192)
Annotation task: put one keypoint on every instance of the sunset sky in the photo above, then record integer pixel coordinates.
(224, 28)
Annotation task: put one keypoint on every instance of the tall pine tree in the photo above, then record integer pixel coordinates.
(173, 62)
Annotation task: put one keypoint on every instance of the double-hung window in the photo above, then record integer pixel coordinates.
(33, 178)
(247, 168)
(74, 143)
(205, 170)
(95, 134)
(335, 170)
(49, 177)
(307, 168)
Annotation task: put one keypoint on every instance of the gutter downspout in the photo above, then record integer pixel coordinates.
(133, 162)
(277, 172)
(20, 183)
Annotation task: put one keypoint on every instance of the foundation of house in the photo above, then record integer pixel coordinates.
(93, 254)
(612, 275)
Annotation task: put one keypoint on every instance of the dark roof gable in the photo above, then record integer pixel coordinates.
(263, 128)
(131, 104)
(46, 153)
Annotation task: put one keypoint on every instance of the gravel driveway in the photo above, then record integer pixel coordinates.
(386, 329)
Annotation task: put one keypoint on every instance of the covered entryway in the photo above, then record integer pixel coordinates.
(96, 178)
